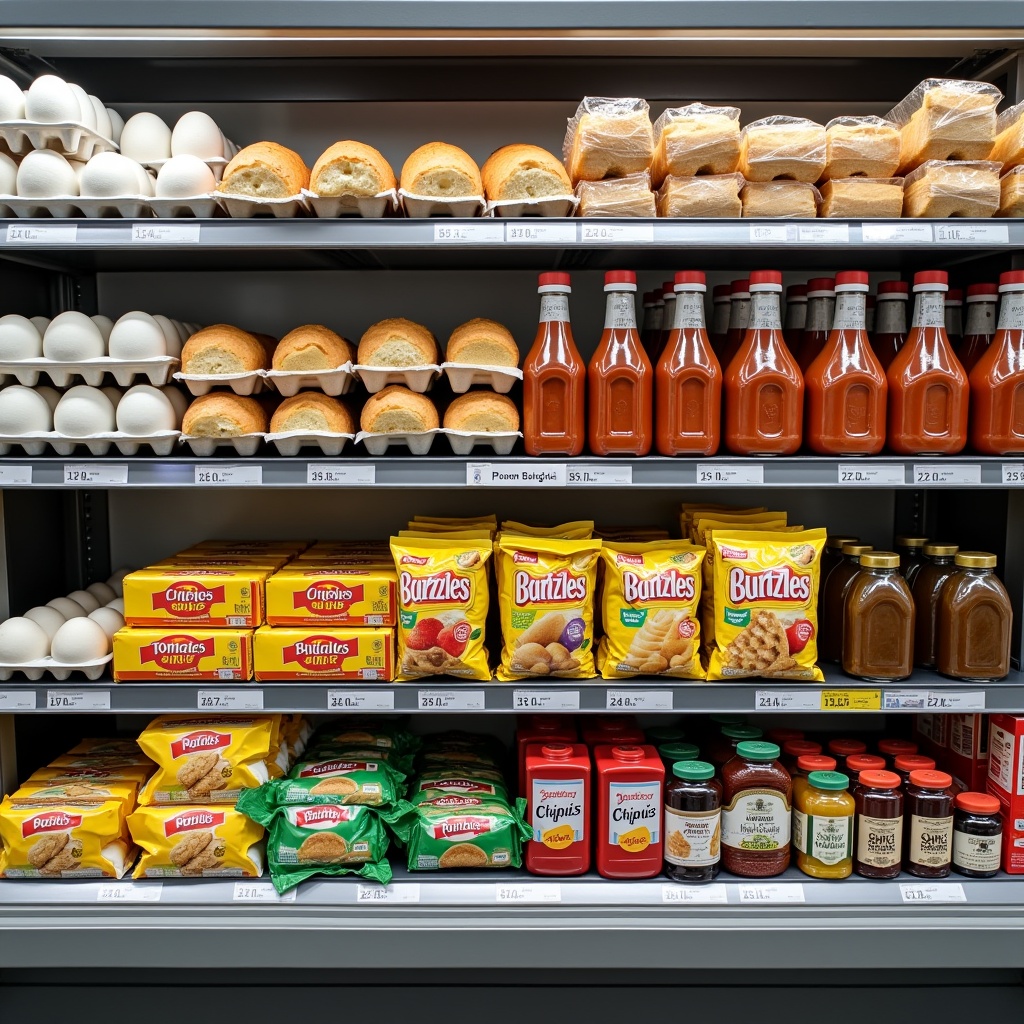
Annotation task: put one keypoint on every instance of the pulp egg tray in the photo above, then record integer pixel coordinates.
(549, 206)
(464, 441)
(415, 378)
(245, 445)
(250, 206)
(289, 442)
(215, 163)
(189, 206)
(34, 444)
(330, 382)
(380, 205)
(69, 138)
(60, 670)
(51, 206)
(27, 371)
(462, 376)
(431, 206)
(114, 206)
(198, 384)
(418, 442)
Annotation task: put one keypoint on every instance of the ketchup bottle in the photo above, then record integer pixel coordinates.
(821, 308)
(953, 305)
(764, 389)
(739, 317)
(554, 377)
(668, 297)
(982, 300)
(997, 380)
(846, 384)
(630, 783)
(541, 729)
(891, 331)
(869, 315)
(620, 377)
(796, 316)
(720, 306)
(650, 331)
(688, 378)
(928, 390)
(558, 808)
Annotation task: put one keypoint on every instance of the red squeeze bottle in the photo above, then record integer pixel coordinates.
(541, 729)
(612, 730)
(667, 293)
(558, 808)
(654, 317)
(720, 307)
(869, 315)
(630, 802)
(891, 330)
(739, 317)
(821, 307)
(796, 315)
(953, 305)
(982, 300)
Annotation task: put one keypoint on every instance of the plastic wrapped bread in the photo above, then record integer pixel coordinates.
(781, 147)
(608, 138)
(946, 119)
(706, 195)
(861, 147)
(1011, 188)
(1009, 145)
(862, 198)
(696, 139)
(780, 199)
(630, 196)
(952, 188)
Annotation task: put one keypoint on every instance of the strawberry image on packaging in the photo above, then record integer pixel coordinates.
(335, 654)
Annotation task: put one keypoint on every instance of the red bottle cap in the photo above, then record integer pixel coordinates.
(816, 763)
(914, 763)
(987, 290)
(821, 284)
(954, 295)
(691, 277)
(554, 278)
(721, 291)
(797, 748)
(740, 287)
(782, 735)
(546, 723)
(843, 748)
(864, 763)
(556, 751)
(1011, 279)
(767, 277)
(624, 280)
(852, 277)
(879, 780)
(930, 279)
(630, 753)
(668, 289)
(893, 747)
(796, 291)
(931, 780)
(893, 288)
(978, 803)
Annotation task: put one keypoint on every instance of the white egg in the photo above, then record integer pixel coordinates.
(41, 322)
(197, 134)
(8, 176)
(116, 124)
(50, 100)
(109, 620)
(104, 323)
(137, 335)
(145, 410)
(80, 640)
(19, 338)
(182, 330)
(172, 339)
(110, 174)
(12, 100)
(146, 138)
(117, 604)
(114, 582)
(86, 115)
(48, 619)
(68, 608)
(115, 394)
(52, 395)
(179, 400)
(85, 599)
(22, 640)
(24, 411)
(147, 183)
(43, 173)
(83, 411)
(73, 336)
(102, 117)
(101, 592)
(184, 176)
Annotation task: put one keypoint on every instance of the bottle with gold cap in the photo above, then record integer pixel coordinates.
(975, 620)
(878, 621)
(830, 638)
(926, 587)
(911, 552)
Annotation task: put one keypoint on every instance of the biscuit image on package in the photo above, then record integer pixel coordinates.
(189, 847)
(678, 845)
(323, 848)
(342, 781)
(761, 648)
(463, 855)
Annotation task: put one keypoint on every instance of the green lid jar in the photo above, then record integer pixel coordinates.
(823, 826)
(670, 753)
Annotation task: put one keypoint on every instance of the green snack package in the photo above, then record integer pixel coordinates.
(367, 733)
(340, 781)
(459, 780)
(401, 762)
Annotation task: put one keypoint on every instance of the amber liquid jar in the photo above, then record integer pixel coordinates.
(927, 586)
(693, 822)
(928, 825)
(911, 552)
(830, 625)
(831, 556)
(878, 614)
(878, 842)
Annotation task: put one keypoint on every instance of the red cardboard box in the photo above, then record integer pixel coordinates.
(966, 753)
(1006, 781)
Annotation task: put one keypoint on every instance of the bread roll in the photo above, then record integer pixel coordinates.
(351, 169)
(312, 412)
(862, 197)
(482, 412)
(866, 147)
(696, 139)
(779, 199)
(222, 414)
(269, 343)
(483, 342)
(265, 170)
(1009, 144)
(312, 347)
(953, 188)
(519, 172)
(782, 148)
(1011, 187)
(397, 410)
(617, 197)
(397, 342)
(608, 138)
(442, 171)
(709, 195)
(222, 349)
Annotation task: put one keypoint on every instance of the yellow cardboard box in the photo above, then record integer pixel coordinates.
(324, 653)
(228, 596)
(332, 595)
(200, 653)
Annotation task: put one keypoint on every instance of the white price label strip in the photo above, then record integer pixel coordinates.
(546, 700)
(600, 476)
(154, 231)
(229, 476)
(940, 473)
(515, 474)
(533, 229)
(1013, 473)
(79, 700)
(955, 233)
(936, 892)
(102, 474)
(715, 893)
(773, 233)
(865, 475)
(823, 232)
(484, 231)
(260, 892)
(20, 234)
(15, 475)
(397, 892)
(360, 700)
(530, 892)
(129, 892)
(787, 700)
(350, 476)
(639, 700)
(712, 473)
(451, 700)
(934, 700)
(789, 892)
(17, 700)
(229, 700)
(616, 232)
(902, 700)
(896, 232)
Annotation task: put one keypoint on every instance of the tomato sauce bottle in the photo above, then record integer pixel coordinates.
(846, 384)
(739, 318)
(764, 389)
(541, 729)
(891, 331)
(997, 380)
(953, 305)
(558, 808)
(668, 298)
(630, 784)
(982, 300)
(650, 330)
(554, 377)
(869, 315)
(928, 390)
(796, 315)
(688, 378)
(620, 377)
(720, 307)
(821, 307)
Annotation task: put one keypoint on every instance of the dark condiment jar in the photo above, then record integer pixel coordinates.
(693, 822)
(857, 763)
(724, 747)
(878, 621)
(672, 752)
(793, 750)
(928, 825)
(878, 845)
(831, 556)
(904, 764)
(841, 748)
(891, 748)
(911, 552)
(977, 835)
(757, 794)
(927, 586)
(807, 763)
(659, 734)
(781, 736)
(830, 623)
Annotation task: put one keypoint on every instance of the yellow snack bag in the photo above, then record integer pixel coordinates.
(467, 534)
(546, 597)
(766, 599)
(81, 792)
(490, 521)
(580, 530)
(443, 599)
(649, 605)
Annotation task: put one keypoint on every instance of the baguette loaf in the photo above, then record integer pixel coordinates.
(313, 412)
(483, 342)
(866, 147)
(782, 148)
(1011, 188)
(862, 197)
(953, 188)
(617, 197)
(221, 414)
(608, 138)
(351, 169)
(696, 139)
(222, 349)
(779, 199)
(520, 172)
(265, 170)
(1009, 144)
(397, 410)
(397, 342)
(708, 195)
(443, 171)
(312, 347)
(482, 412)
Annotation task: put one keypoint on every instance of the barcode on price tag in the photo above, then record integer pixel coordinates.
(360, 700)
(533, 229)
(260, 892)
(966, 474)
(45, 234)
(484, 231)
(101, 475)
(229, 700)
(871, 476)
(229, 476)
(129, 892)
(546, 700)
(713, 473)
(787, 700)
(639, 700)
(11, 475)
(397, 892)
(529, 892)
(79, 700)
(715, 893)
(788, 892)
(159, 232)
(451, 700)
(349, 476)
(616, 232)
(936, 892)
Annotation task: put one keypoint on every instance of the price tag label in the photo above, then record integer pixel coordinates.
(260, 892)
(713, 473)
(15, 475)
(957, 233)
(515, 474)
(397, 892)
(787, 700)
(904, 700)
(773, 233)
(1013, 473)
(17, 700)
(158, 231)
(896, 232)
(714, 893)
(229, 700)
(534, 229)
(529, 892)
(46, 234)
(101, 475)
(788, 892)
(482, 231)
(936, 892)
(598, 232)
(599, 476)
(823, 232)
(639, 700)
(451, 700)
(328, 473)
(360, 700)
(863, 474)
(964, 474)
(546, 700)
(78, 700)
(229, 476)
(851, 700)
(129, 892)
(946, 700)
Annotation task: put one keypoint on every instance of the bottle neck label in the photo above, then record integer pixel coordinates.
(850, 310)
(689, 311)
(764, 312)
(720, 318)
(554, 306)
(892, 316)
(796, 316)
(1011, 312)
(819, 314)
(929, 310)
(981, 318)
(620, 311)
(954, 320)
(739, 314)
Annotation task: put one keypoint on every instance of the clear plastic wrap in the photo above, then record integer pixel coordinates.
(862, 198)
(1009, 145)
(630, 196)
(946, 119)
(707, 195)
(782, 147)
(952, 188)
(866, 147)
(1011, 190)
(696, 139)
(608, 138)
(780, 199)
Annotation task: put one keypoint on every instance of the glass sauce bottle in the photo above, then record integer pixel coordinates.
(796, 316)
(693, 822)
(911, 552)
(891, 748)
(821, 307)
(688, 378)
(891, 330)
(830, 632)
(620, 378)
(793, 750)
(554, 377)
(878, 850)
(982, 300)
(670, 753)
(650, 329)
(846, 385)
(878, 621)
(764, 389)
(720, 308)
(739, 319)
(927, 586)
(928, 828)
(857, 763)
(841, 748)
(823, 826)
(806, 764)
(667, 293)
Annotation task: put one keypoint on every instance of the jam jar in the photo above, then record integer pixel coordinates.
(977, 835)
(693, 822)
(878, 848)
(928, 824)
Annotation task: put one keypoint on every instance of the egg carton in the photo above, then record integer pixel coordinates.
(245, 445)
(27, 372)
(215, 163)
(162, 442)
(549, 206)
(288, 442)
(59, 207)
(114, 206)
(189, 206)
(418, 442)
(198, 384)
(32, 443)
(464, 441)
(330, 382)
(415, 378)
(379, 205)
(462, 376)
(60, 670)
(250, 206)
(69, 138)
(5, 209)
(430, 206)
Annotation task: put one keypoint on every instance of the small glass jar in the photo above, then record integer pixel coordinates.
(928, 825)
(807, 763)
(911, 552)
(724, 747)
(841, 748)
(781, 736)
(830, 623)
(693, 822)
(659, 734)
(889, 748)
(904, 764)
(927, 586)
(792, 750)
(977, 835)
(823, 826)
(672, 752)
(878, 851)
(857, 763)
(878, 629)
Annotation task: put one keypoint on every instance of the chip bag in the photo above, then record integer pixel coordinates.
(766, 599)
